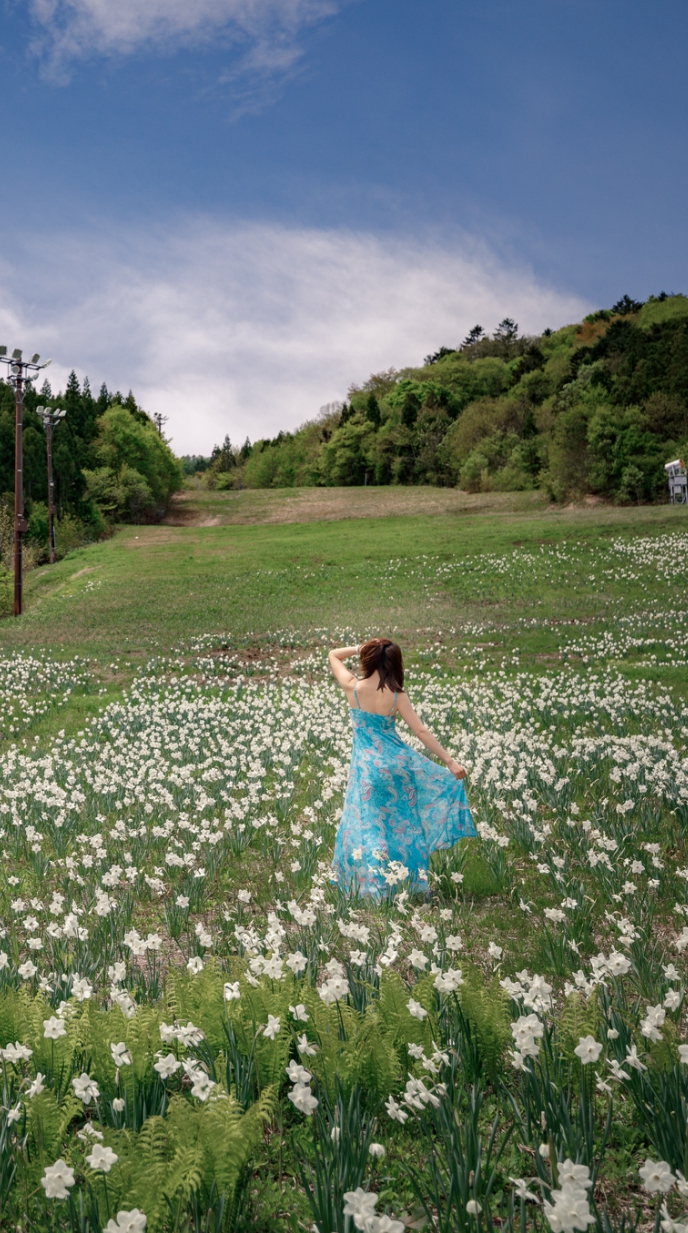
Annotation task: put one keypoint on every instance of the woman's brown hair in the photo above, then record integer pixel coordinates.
(383, 656)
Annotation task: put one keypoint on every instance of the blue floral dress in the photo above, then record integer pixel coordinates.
(399, 807)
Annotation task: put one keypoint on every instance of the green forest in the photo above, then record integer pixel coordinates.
(110, 465)
(597, 407)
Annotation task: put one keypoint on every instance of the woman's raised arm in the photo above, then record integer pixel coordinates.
(343, 675)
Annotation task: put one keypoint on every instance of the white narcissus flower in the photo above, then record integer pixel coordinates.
(127, 1222)
(101, 1158)
(299, 1013)
(272, 1027)
(36, 1087)
(297, 962)
(416, 1010)
(395, 1111)
(418, 960)
(195, 965)
(120, 1054)
(298, 1073)
(303, 1099)
(231, 991)
(360, 1204)
(167, 1066)
(683, 1054)
(448, 981)
(377, 1151)
(85, 1088)
(588, 1049)
(305, 1047)
(656, 1176)
(57, 1179)
(473, 1207)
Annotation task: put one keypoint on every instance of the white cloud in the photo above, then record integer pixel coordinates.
(265, 30)
(249, 328)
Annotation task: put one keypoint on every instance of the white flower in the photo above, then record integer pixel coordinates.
(119, 1104)
(81, 989)
(672, 1000)
(231, 991)
(683, 1054)
(195, 965)
(120, 1054)
(305, 1047)
(297, 962)
(453, 942)
(244, 896)
(101, 1158)
(656, 1176)
(85, 1088)
(167, 1066)
(202, 1084)
(448, 981)
(522, 1191)
(272, 1027)
(14, 1114)
(588, 1050)
(303, 1099)
(16, 1053)
(633, 1060)
(360, 1204)
(418, 959)
(385, 1224)
(56, 1180)
(473, 1207)
(574, 1174)
(377, 1151)
(127, 1222)
(36, 1087)
(495, 952)
(299, 1013)
(668, 1225)
(395, 1111)
(414, 1008)
(27, 970)
(298, 1073)
(570, 1210)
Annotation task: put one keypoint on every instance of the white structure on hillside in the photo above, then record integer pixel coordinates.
(678, 481)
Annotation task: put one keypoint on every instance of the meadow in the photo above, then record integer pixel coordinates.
(198, 1030)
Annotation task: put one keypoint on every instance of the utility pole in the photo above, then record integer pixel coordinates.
(160, 419)
(51, 416)
(20, 375)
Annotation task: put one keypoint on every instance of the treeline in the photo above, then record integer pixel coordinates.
(594, 407)
(110, 465)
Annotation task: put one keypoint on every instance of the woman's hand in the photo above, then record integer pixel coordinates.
(456, 769)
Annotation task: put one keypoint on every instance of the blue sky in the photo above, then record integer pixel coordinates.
(237, 207)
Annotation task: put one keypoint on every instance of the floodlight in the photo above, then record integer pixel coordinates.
(3, 350)
(40, 410)
(35, 358)
(16, 354)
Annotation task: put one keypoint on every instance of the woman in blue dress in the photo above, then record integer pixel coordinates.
(399, 806)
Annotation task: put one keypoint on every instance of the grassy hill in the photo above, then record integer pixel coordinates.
(597, 407)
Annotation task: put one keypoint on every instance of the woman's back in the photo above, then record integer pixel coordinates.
(366, 695)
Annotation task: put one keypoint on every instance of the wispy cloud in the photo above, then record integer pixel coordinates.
(263, 32)
(249, 329)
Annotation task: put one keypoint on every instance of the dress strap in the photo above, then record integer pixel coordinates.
(356, 697)
(394, 704)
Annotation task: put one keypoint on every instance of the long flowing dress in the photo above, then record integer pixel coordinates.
(399, 807)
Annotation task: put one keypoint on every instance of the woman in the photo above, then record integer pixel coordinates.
(399, 806)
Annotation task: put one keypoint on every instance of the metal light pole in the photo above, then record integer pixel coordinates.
(20, 375)
(50, 417)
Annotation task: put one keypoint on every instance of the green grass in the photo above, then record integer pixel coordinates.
(149, 588)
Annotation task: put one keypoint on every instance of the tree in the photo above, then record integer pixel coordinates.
(439, 355)
(410, 409)
(507, 331)
(373, 410)
(473, 336)
(626, 305)
(124, 441)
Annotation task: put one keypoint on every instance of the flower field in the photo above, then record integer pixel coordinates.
(198, 1031)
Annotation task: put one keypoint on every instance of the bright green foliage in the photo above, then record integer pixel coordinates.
(138, 471)
(597, 407)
